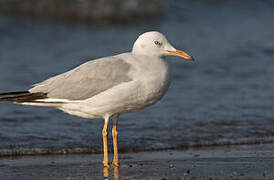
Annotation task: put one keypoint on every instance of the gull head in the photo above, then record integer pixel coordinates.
(154, 43)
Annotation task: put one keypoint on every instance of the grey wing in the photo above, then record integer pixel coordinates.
(86, 80)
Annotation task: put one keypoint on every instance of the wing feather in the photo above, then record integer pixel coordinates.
(86, 80)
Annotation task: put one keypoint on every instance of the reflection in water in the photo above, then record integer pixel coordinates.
(106, 172)
(116, 172)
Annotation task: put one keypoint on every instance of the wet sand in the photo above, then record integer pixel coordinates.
(235, 162)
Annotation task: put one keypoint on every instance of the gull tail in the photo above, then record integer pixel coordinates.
(22, 97)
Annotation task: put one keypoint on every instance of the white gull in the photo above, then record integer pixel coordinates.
(108, 87)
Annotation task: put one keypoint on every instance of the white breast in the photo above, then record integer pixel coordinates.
(153, 74)
(150, 81)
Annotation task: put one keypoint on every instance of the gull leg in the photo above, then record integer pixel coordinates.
(105, 142)
(115, 141)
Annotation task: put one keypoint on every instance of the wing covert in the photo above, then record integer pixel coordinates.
(86, 80)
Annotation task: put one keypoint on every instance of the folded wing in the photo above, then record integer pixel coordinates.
(87, 80)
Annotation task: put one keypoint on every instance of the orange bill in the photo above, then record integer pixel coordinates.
(181, 54)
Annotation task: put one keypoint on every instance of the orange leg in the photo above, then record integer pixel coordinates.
(105, 142)
(115, 161)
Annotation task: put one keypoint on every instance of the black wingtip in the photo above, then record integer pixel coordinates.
(23, 96)
(9, 94)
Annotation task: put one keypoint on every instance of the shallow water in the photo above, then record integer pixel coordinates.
(225, 97)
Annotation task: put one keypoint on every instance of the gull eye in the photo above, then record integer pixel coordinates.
(157, 43)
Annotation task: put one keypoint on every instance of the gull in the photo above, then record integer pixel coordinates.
(107, 87)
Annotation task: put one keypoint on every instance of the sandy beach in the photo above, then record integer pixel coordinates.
(235, 162)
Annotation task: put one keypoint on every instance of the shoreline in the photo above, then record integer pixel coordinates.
(236, 162)
(21, 151)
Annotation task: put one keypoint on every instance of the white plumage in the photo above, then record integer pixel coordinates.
(109, 86)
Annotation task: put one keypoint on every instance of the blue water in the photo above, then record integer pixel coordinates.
(225, 97)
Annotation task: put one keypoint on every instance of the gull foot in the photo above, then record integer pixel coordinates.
(106, 165)
(116, 164)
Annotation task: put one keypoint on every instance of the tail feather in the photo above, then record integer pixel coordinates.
(21, 97)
